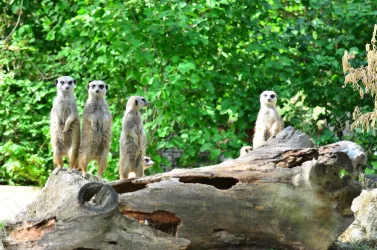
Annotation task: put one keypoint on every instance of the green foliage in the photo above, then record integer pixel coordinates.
(202, 64)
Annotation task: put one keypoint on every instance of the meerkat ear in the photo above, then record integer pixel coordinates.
(136, 102)
(56, 82)
(88, 86)
(106, 86)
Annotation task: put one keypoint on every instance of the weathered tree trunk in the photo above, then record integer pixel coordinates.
(284, 195)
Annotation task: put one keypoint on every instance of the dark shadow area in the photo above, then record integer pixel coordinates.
(126, 186)
(218, 182)
(161, 220)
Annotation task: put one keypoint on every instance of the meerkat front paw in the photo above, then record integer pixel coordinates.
(66, 128)
(94, 127)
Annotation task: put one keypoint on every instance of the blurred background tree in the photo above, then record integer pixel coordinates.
(202, 64)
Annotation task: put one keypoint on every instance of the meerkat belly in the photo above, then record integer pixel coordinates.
(63, 141)
(96, 140)
(130, 147)
(269, 117)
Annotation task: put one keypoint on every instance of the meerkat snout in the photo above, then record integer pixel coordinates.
(97, 88)
(141, 102)
(65, 83)
(148, 162)
(268, 98)
(245, 150)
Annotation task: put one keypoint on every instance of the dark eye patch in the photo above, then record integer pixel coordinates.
(70, 82)
(272, 96)
(61, 82)
(93, 86)
(147, 160)
(101, 86)
(247, 151)
(143, 99)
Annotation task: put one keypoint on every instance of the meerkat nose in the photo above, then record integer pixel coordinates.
(66, 88)
(97, 91)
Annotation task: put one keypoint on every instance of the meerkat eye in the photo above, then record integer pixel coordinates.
(147, 160)
(70, 82)
(247, 151)
(101, 86)
(61, 82)
(272, 96)
(93, 86)
(143, 100)
(265, 95)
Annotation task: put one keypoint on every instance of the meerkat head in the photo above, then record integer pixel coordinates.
(97, 88)
(268, 98)
(136, 102)
(245, 150)
(148, 162)
(65, 83)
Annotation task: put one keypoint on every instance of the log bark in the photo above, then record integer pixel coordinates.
(284, 195)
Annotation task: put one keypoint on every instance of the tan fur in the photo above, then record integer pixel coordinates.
(96, 129)
(132, 140)
(65, 124)
(245, 150)
(269, 122)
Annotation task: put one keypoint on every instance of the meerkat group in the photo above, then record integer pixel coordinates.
(93, 143)
(95, 139)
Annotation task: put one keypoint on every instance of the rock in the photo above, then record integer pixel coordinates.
(363, 231)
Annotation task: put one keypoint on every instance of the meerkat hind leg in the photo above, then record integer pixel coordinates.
(84, 166)
(139, 167)
(124, 167)
(102, 165)
(72, 157)
(58, 159)
(275, 129)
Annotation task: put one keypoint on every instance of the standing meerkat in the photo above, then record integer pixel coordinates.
(132, 140)
(269, 122)
(96, 129)
(65, 124)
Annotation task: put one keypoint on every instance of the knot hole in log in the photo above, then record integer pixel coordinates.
(97, 197)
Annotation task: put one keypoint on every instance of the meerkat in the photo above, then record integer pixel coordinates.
(269, 122)
(147, 164)
(132, 140)
(65, 124)
(245, 150)
(96, 129)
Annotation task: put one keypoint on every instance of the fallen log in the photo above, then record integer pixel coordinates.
(284, 195)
